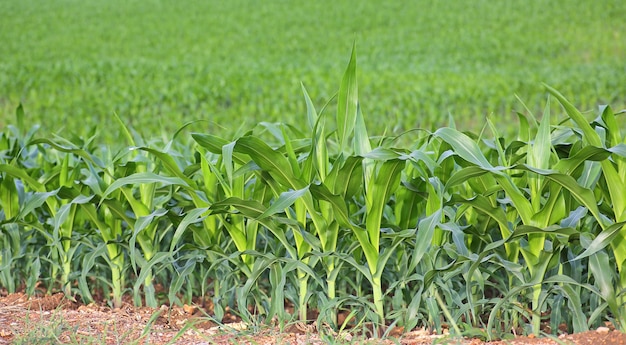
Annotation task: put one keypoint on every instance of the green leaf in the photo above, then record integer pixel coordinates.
(613, 179)
(539, 152)
(423, 238)
(227, 156)
(482, 204)
(22, 175)
(210, 142)
(169, 164)
(269, 160)
(524, 230)
(388, 251)
(346, 179)
(285, 200)
(408, 209)
(253, 209)
(464, 147)
(553, 210)
(193, 216)
(125, 130)
(579, 319)
(140, 178)
(464, 174)
(382, 154)
(362, 143)
(9, 197)
(278, 279)
(347, 102)
(590, 136)
(69, 148)
(619, 149)
(382, 185)
(19, 117)
(600, 268)
(340, 209)
(601, 241)
(524, 131)
(86, 267)
(583, 195)
(311, 114)
(587, 153)
(34, 201)
(140, 228)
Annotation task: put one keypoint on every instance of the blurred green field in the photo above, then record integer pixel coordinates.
(159, 64)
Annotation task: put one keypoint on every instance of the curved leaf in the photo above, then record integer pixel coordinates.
(140, 178)
(347, 102)
(464, 147)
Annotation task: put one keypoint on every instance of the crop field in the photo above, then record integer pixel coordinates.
(160, 64)
(392, 182)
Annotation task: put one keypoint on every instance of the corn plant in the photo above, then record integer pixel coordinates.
(15, 184)
(605, 168)
(380, 179)
(481, 233)
(62, 168)
(537, 198)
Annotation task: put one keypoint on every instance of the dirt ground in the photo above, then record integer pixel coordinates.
(56, 320)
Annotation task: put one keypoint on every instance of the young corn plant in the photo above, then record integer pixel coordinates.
(62, 200)
(537, 199)
(546, 209)
(107, 217)
(18, 179)
(202, 201)
(456, 228)
(139, 186)
(282, 176)
(603, 144)
(350, 168)
(335, 179)
(189, 204)
(235, 197)
(286, 187)
(25, 201)
(380, 178)
(11, 232)
(62, 168)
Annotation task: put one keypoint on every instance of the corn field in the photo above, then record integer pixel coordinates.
(481, 232)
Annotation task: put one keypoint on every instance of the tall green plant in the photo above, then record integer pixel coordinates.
(603, 141)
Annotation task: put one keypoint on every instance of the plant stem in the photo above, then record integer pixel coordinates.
(148, 290)
(331, 291)
(302, 307)
(116, 281)
(378, 299)
(117, 264)
(65, 276)
(536, 319)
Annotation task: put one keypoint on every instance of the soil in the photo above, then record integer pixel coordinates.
(53, 319)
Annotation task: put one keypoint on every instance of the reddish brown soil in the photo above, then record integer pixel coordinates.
(54, 319)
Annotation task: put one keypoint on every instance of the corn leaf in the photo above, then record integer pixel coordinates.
(464, 147)
(285, 200)
(140, 178)
(347, 102)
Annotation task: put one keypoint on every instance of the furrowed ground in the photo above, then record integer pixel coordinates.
(37, 320)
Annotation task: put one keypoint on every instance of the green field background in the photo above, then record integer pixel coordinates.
(159, 64)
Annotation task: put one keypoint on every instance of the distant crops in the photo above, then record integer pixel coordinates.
(483, 232)
(159, 64)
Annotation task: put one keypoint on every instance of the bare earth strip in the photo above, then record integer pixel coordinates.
(54, 320)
